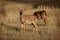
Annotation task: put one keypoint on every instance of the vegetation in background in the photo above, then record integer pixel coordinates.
(1, 24)
(35, 6)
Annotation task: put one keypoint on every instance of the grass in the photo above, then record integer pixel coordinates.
(28, 30)
(1, 24)
(10, 27)
(15, 28)
(39, 32)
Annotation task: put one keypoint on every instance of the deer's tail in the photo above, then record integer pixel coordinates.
(35, 27)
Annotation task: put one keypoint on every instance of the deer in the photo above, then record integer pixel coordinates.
(32, 19)
(28, 19)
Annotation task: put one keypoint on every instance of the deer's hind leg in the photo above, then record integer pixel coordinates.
(35, 27)
(44, 19)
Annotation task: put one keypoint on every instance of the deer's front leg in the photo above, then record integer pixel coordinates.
(44, 21)
(22, 27)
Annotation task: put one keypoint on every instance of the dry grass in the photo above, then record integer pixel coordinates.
(11, 27)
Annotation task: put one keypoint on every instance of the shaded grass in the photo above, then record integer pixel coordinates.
(1, 24)
(9, 27)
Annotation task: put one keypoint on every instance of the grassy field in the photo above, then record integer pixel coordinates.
(10, 26)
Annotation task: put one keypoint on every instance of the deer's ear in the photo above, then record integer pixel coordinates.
(21, 11)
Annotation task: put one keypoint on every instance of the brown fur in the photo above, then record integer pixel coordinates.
(28, 19)
(32, 19)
